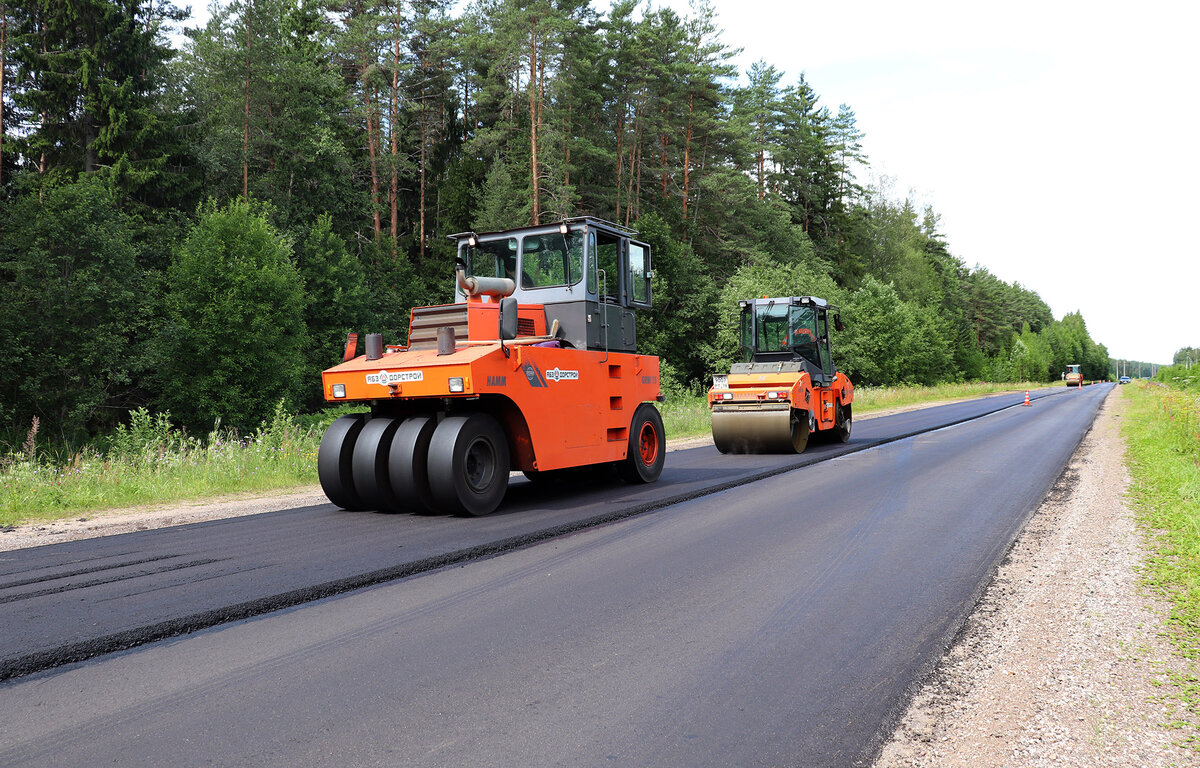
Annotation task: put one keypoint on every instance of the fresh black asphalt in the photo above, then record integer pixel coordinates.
(76, 600)
(781, 622)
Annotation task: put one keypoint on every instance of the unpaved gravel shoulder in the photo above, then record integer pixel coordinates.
(90, 525)
(1063, 662)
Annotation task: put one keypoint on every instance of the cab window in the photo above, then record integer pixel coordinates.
(608, 251)
(592, 259)
(640, 286)
(551, 259)
(493, 258)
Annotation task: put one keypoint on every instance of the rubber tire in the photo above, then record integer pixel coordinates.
(408, 464)
(845, 422)
(370, 465)
(335, 461)
(643, 462)
(468, 464)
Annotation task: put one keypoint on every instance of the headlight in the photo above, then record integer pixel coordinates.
(726, 395)
(456, 384)
(339, 390)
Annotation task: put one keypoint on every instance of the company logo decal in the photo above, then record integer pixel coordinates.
(538, 378)
(497, 381)
(386, 377)
(533, 375)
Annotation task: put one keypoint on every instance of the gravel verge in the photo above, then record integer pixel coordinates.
(1063, 662)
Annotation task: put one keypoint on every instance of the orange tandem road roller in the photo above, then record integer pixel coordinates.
(533, 368)
(786, 389)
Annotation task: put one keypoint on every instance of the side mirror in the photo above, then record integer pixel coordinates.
(837, 323)
(508, 318)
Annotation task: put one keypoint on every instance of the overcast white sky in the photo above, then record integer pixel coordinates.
(1059, 141)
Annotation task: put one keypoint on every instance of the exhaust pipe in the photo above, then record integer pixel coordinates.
(445, 341)
(482, 286)
(374, 346)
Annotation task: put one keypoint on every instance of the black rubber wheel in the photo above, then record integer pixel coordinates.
(369, 465)
(647, 447)
(408, 464)
(335, 461)
(845, 420)
(468, 464)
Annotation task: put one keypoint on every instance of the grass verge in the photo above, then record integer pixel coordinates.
(151, 461)
(1162, 430)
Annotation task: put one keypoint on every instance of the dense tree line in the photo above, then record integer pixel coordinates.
(196, 230)
(1184, 371)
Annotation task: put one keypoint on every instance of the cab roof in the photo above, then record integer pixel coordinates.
(794, 300)
(588, 221)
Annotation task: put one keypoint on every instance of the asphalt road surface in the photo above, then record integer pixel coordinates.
(756, 610)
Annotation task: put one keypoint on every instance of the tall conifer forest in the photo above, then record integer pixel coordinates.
(194, 227)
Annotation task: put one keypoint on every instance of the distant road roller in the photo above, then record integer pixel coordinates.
(1074, 376)
(534, 368)
(786, 389)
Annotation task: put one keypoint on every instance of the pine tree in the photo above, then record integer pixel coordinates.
(846, 141)
(88, 77)
(758, 105)
(271, 108)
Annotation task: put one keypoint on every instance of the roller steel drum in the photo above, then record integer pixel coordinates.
(761, 430)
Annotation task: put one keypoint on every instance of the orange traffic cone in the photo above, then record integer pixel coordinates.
(1026, 399)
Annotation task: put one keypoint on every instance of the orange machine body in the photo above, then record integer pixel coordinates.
(559, 407)
(787, 388)
(784, 390)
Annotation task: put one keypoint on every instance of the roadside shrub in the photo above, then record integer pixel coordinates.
(233, 341)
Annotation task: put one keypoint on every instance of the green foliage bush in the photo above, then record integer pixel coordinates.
(71, 309)
(756, 277)
(233, 337)
(685, 306)
(336, 301)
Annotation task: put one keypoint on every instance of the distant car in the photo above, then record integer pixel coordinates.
(1123, 380)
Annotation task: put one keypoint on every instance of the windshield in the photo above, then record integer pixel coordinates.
(552, 259)
(494, 258)
(546, 260)
(779, 327)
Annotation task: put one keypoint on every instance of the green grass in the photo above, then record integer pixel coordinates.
(867, 399)
(150, 461)
(1162, 429)
(686, 416)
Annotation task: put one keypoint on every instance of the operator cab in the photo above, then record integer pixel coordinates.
(788, 334)
(588, 273)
